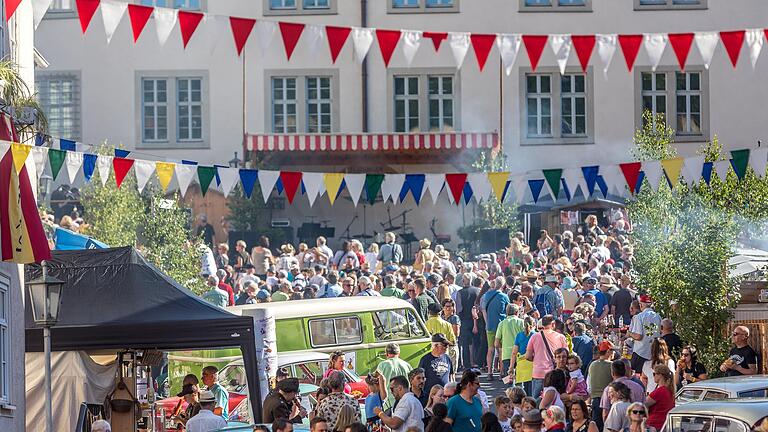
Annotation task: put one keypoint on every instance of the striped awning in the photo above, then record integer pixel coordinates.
(395, 142)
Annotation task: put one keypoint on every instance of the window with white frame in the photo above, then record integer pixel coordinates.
(189, 109)
(440, 102)
(670, 4)
(555, 5)
(194, 5)
(412, 6)
(299, 7)
(284, 105)
(5, 339)
(406, 103)
(573, 101)
(681, 97)
(556, 108)
(319, 104)
(173, 108)
(59, 95)
(302, 101)
(539, 105)
(62, 5)
(154, 106)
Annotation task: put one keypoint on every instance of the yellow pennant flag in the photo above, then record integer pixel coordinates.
(20, 153)
(498, 181)
(672, 168)
(332, 184)
(165, 173)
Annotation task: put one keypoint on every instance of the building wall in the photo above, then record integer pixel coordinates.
(12, 411)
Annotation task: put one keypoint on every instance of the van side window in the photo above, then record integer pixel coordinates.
(390, 325)
(335, 331)
(416, 329)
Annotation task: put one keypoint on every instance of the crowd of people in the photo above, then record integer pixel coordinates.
(559, 321)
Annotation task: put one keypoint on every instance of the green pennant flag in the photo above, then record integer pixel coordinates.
(56, 158)
(553, 177)
(739, 162)
(205, 175)
(373, 186)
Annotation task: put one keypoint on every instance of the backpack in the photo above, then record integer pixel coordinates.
(542, 303)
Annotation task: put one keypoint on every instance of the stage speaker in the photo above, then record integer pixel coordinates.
(493, 239)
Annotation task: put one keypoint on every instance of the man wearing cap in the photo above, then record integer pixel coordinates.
(282, 403)
(599, 377)
(191, 395)
(210, 378)
(391, 367)
(608, 288)
(206, 420)
(436, 324)
(437, 366)
(645, 327)
(532, 421)
(548, 299)
(366, 287)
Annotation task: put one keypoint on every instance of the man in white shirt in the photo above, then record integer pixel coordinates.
(645, 327)
(322, 247)
(408, 413)
(206, 420)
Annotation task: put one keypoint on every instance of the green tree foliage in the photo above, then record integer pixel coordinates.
(495, 214)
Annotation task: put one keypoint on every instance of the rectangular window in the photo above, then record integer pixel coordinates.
(299, 7)
(284, 105)
(335, 331)
(670, 4)
(539, 105)
(59, 95)
(688, 96)
(282, 4)
(422, 6)
(5, 341)
(319, 104)
(189, 109)
(62, 5)
(406, 103)
(654, 92)
(681, 97)
(555, 5)
(573, 102)
(405, 3)
(440, 103)
(194, 5)
(439, 3)
(316, 4)
(154, 105)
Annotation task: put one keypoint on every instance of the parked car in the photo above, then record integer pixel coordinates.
(728, 415)
(747, 386)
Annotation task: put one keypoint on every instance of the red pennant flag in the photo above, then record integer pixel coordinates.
(291, 181)
(10, 8)
(85, 11)
(456, 185)
(337, 37)
(732, 41)
(630, 46)
(291, 33)
(631, 173)
(534, 46)
(482, 44)
(121, 166)
(388, 40)
(241, 29)
(139, 15)
(188, 22)
(437, 38)
(584, 45)
(681, 43)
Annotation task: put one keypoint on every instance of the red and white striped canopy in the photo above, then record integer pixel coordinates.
(372, 141)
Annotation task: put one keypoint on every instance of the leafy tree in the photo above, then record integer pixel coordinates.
(495, 214)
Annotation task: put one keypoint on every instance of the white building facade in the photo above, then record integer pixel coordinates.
(198, 103)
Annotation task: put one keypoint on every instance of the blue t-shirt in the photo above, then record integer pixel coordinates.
(437, 370)
(372, 401)
(600, 301)
(465, 416)
(495, 304)
(583, 346)
(331, 291)
(521, 340)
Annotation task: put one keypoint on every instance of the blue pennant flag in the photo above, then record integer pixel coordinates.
(188, 162)
(248, 178)
(67, 145)
(342, 186)
(218, 179)
(122, 153)
(565, 189)
(415, 184)
(506, 188)
(706, 172)
(39, 139)
(89, 165)
(602, 185)
(279, 186)
(640, 177)
(590, 176)
(536, 186)
(467, 192)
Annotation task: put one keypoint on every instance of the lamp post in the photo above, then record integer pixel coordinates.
(45, 297)
(234, 162)
(45, 186)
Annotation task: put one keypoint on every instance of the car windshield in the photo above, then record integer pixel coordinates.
(233, 378)
(688, 423)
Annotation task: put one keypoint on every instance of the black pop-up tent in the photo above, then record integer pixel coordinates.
(115, 299)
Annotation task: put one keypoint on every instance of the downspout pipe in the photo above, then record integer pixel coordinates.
(364, 71)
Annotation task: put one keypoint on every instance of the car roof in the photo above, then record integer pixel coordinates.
(320, 307)
(748, 409)
(732, 384)
(291, 358)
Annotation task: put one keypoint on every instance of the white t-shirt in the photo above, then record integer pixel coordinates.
(557, 401)
(647, 323)
(410, 411)
(505, 425)
(648, 372)
(617, 418)
(205, 421)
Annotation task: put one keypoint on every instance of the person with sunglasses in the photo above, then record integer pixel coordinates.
(637, 414)
(689, 368)
(465, 408)
(742, 359)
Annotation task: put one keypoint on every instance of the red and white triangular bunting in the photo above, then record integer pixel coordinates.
(459, 43)
(482, 44)
(508, 46)
(112, 13)
(655, 43)
(561, 48)
(681, 45)
(139, 16)
(411, 42)
(337, 36)
(388, 40)
(165, 21)
(362, 39)
(534, 46)
(85, 11)
(755, 39)
(241, 30)
(291, 32)
(584, 45)
(706, 42)
(188, 23)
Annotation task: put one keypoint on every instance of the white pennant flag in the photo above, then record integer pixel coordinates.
(561, 47)
(754, 39)
(391, 186)
(228, 178)
(481, 187)
(143, 170)
(39, 8)
(721, 168)
(267, 181)
(362, 38)
(184, 175)
(165, 21)
(355, 184)
(40, 155)
(606, 47)
(213, 26)
(653, 172)
(312, 182)
(692, 167)
(265, 32)
(574, 178)
(74, 161)
(758, 158)
(459, 43)
(104, 165)
(509, 46)
(112, 12)
(655, 43)
(706, 42)
(519, 186)
(614, 180)
(434, 184)
(313, 35)
(411, 43)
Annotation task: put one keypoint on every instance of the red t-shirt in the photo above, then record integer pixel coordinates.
(230, 292)
(665, 401)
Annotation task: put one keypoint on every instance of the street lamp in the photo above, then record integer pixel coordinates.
(45, 298)
(234, 162)
(45, 186)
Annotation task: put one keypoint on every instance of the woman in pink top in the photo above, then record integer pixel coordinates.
(336, 363)
(543, 358)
